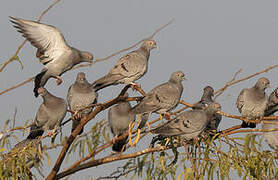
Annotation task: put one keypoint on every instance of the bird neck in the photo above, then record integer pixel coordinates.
(207, 97)
(259, 89)
(49, 99)
(144, 51)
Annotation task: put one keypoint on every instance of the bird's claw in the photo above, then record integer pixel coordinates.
(52, 133)
(59, 80)
(167, 116)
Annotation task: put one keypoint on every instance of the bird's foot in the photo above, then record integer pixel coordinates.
(138, 88)
(59, 80)
(114, 139)
(52, 133)
(167, 116)
(77, 115)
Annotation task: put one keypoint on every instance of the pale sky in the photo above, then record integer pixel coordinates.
(209, 41)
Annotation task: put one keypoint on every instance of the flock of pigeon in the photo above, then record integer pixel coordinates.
(58, 57)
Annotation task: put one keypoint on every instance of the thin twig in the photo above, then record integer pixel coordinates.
(83, 122)
(14, 57)
(126, 49)
(230, 83)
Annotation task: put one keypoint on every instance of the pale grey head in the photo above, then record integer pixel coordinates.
(262, 83)
(177, 76)
(209, 90)
(86, 56)
(81, 78)
(149, 44)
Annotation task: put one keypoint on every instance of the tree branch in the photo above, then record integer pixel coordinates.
(126, 49)
(233, 81)
(83, 122)
(15, 57)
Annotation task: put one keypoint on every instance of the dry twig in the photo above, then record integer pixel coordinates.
(15, 57)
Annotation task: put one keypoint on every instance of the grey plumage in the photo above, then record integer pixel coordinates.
(119, 118)
(206, 99)
(252, 102)
(189, 124)
(272, 107)
(80, 95)
(129, 68)
(49, 115)
(52, 50)
(162, 98)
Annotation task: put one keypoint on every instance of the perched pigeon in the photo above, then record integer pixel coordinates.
(81, 95)
(53, 51)
(161, 99)
(36, 144)
(252, 102)
(128, 68)
(272, 107)
(119, 118)
(189, 124)
(206, 99)
(49, 115)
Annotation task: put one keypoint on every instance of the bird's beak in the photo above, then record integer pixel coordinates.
(184, 78)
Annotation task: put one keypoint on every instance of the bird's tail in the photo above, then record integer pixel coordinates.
(38, 82)
(35, 132)
(75, 123)
(119, 145)
(105, 81)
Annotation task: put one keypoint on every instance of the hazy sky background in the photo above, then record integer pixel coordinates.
(209, 41)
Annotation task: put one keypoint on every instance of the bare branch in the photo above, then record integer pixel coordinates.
(233, 81)
(109, 159)
(83, 122)
(126, 49)
(15, 57)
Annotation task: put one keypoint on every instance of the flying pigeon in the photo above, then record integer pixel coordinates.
(161, 99)
(119, 118)
(52, 50)
(206, 99)
(252, 102)
(49, 115)
(129, 68)
(81, 95)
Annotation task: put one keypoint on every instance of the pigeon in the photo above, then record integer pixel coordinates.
(189, 124)
(252, 102)
(52, 50)
(49, 115)
(272, 107)
(161, 99)
(206, 99)
(129, 68)
(119, 118)
(36, 144)
(81, 95)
